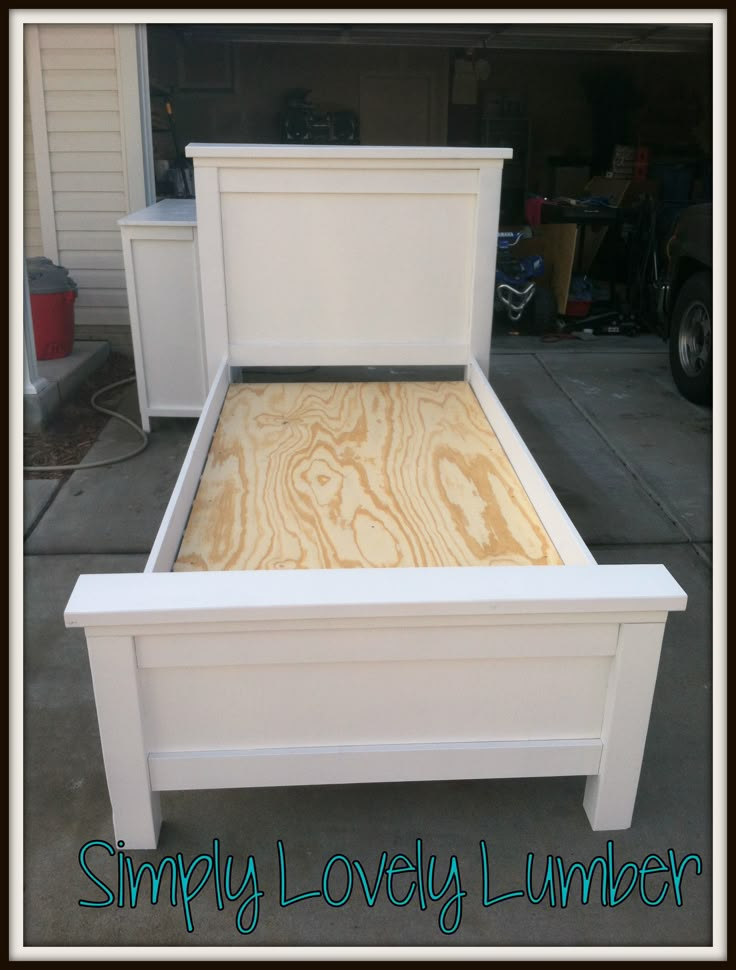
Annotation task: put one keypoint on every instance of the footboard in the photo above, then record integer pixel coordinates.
(223, 680)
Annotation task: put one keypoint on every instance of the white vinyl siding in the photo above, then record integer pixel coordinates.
(32, 240)
(84, 141)
(99, 259)
(81, 78)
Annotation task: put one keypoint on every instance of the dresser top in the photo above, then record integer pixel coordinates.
(168, 212)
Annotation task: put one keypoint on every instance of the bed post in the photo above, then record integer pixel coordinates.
(610, 795)
(136, 809)
(484, 268)
(211, 269)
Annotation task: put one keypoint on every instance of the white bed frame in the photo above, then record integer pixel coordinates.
(371, 257)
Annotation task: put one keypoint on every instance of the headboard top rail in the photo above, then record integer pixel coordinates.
(200, 150)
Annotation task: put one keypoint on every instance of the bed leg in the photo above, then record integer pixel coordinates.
(610, 795)
(135, 808)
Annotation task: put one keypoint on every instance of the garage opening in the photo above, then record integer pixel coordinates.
(614, 113)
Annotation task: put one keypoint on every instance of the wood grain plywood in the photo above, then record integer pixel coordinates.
(340, 475)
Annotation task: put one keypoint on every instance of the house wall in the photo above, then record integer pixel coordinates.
(77, 104)
(32, 240)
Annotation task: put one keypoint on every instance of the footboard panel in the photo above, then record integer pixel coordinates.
(372, 703)
(248, 685)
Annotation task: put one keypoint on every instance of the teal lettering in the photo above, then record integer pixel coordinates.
(121, 881)
(156, 876)
(218, 889)
(185, 874)
(586, 877)
(91, 876)
(677, 872)
(614, 884)
(548, 885)
(455, 900)
(282, 880)
(251, 876)
(326, 879)
(395, 869)
(371, 895)
(486, 880)
(645, 870)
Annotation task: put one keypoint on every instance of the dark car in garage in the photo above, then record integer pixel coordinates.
(685, 303)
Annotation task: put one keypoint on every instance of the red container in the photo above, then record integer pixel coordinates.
(578, 308)
(53, 324)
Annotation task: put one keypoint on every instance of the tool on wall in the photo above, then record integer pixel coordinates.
(181, 173)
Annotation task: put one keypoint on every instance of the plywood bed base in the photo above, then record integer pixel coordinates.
(358, 474)
(241, 677)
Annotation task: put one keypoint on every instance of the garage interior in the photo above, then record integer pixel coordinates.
(577, 103)
(574, 101)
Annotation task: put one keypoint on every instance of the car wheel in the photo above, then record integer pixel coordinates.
(691, 338)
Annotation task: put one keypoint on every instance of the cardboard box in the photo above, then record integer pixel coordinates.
(556, 244)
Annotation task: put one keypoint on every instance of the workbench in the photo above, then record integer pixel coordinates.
(364, 579)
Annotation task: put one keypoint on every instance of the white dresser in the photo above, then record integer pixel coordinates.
(162, 277)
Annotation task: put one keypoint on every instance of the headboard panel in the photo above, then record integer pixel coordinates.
(357, 255)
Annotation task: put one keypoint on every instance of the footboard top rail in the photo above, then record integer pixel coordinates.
(160, 598)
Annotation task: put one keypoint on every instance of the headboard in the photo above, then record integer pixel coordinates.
(346, 255)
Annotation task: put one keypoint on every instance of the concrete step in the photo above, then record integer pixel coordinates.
(60, 379)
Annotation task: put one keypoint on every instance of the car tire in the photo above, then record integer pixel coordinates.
(691, 336)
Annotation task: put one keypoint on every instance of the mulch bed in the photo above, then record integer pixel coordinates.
(74, 429)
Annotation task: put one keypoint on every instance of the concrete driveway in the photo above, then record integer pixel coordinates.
(631, 462)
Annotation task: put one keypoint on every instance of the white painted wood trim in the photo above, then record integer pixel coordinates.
(610, 794)
(440, 155)
(200, 597)
(559, 526)
(167, 212)
(174, 412)
(166, 545)
(135, 328)
(484, 266)
(131, 130)
(332, 181)
(149, 177)
(206, 382)
(211, 269)
(157, 233)
(37, 105)
(347, 626)
(136, 808)
(33, 383)
(350, 764)
(404, 644)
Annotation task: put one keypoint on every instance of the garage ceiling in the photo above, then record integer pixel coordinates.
(649, 38)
